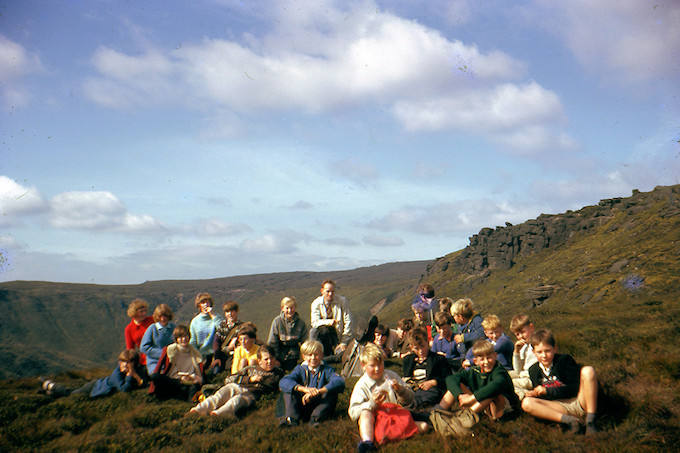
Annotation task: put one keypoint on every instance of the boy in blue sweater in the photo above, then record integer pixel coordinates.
(310, 391)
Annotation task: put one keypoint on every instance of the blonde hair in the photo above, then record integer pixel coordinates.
(482, 348)
(371, 353)
(288, 301)
(136, 305)
(463, 307)
(310, 347)
(492, 322)
(161, 310)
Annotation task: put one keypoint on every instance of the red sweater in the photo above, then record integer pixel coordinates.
(134, 334)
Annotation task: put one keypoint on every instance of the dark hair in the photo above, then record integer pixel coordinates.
(542, 336)
(418, 336)
(266, 348)
(230, 305)
(328, 281)
(442, 318)
(129, 355)
(203, 297)
(426, 290)
(247, 330)
(382, 329)
(405, 324)
(181, 331)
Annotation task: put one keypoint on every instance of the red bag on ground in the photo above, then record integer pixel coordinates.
(393, 422)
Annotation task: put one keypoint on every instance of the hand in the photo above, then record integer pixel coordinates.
(232, 344)
(396, 386)
(257, 378)
(519, 344)
(466, 399)
(379, 396)
(427, 385)
(309, 393)
(216, 362)
(466, 363)
(458, 338)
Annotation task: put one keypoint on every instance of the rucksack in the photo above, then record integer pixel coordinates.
(453, 424)
(351, 363)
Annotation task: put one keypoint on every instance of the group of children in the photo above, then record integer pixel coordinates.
(467, 369)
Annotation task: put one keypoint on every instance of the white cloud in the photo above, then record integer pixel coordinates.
(626, 41)
(218, 227)
(15, 62)
(17, 201)
(344, 242)
(447, 218)
(277, 242)
(346, 57)
(383, 241)
(97, 211)
(355, 170)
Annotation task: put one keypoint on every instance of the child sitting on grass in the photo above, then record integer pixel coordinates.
(226, 338)
(375, 387)
(425, 370)
(243, 389)
(385, 338)
(468, 325)
(310, 391)
(404, 327)
(493, 329)
(563, 391)
(125, 378)
(523, 354)
(443, 343)
(484, 387)
(179, 373)
(287, 333)
(246, 353)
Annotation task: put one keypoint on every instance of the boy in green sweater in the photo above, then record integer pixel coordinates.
(484, 387)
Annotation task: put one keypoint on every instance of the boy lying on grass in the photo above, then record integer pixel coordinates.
(126, 377)
(243, 389)
(376, 387)
(563, 391)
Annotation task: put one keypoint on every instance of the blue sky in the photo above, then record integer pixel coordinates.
(185, 140)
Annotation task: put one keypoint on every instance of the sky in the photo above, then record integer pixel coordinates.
(155, 140)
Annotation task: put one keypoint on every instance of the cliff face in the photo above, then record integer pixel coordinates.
(497, 248)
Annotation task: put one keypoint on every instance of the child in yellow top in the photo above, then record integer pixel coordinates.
(246, 353)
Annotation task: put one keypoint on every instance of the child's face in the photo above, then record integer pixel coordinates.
(164, 320)
(380, 339)
(231, 315)
(288, 311)
(400, 333)
(183, 341)
(525, 333)
(444, 331)
(124, 366)
(265, 361)
(246, 341)
(485, 362)
(493, 334)
(374, 369)
(205, 307)
(420, 350)
(460, 319)
(420, 314)
(141, 313)
(545, 354)
(313, 360)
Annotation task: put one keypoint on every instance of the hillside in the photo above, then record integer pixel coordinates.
(52, 327)
(605, 278)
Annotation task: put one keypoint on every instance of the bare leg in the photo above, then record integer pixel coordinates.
(587, 391)
(367, 426)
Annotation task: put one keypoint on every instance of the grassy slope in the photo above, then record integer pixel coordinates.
(627, 333)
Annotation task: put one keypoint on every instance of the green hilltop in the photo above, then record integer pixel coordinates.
(605, 278)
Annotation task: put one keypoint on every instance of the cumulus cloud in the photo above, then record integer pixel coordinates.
(217, 227)
(15, 62)
(631, 42)
(446, 218)
(277, 242)
(97, 211)
(17, 202)
(383, 241)
(349, 56)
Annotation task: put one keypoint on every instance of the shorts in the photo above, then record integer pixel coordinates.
(572, 407)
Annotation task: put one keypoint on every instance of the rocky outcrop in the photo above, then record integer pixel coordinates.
(497, 248)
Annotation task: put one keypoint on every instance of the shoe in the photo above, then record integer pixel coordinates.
(574, 426)
(314, 423)
(591, 429)
(366, 446)
(289, 423)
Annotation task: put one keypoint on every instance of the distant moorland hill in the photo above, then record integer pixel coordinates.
(605, 278)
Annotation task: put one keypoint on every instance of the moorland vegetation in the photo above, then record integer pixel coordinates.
(609, 288)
